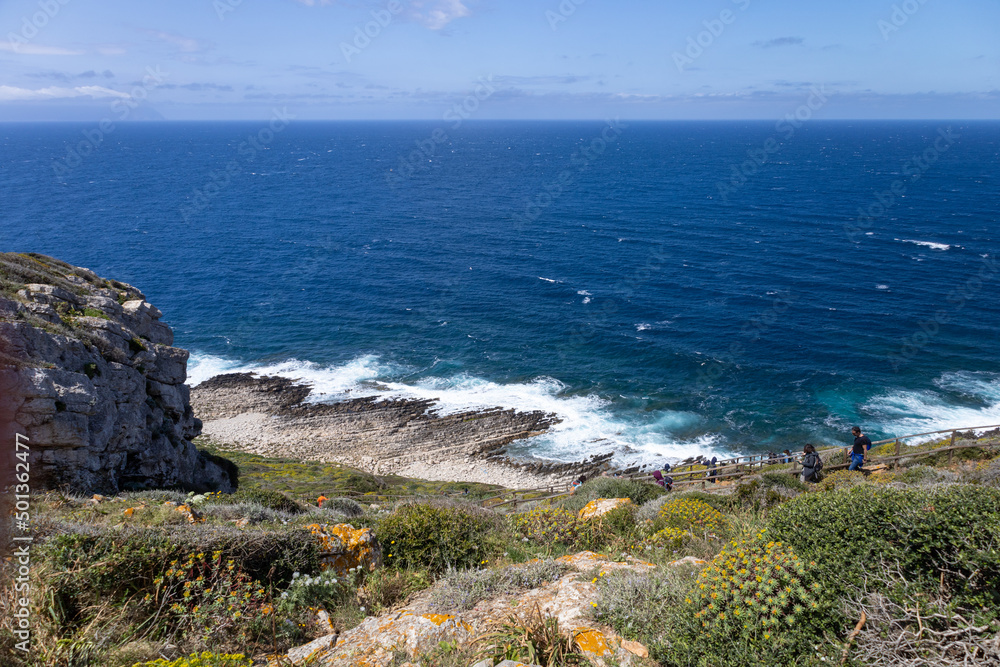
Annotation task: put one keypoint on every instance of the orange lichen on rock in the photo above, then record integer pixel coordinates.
(601, 506)
(192, 516)
(346, 547)
(592, 641)
(438, 619)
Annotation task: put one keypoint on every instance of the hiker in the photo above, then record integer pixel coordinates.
(666, 468)
(859, 453)
(811, 464)
(658, 478)
(712, 472)
(321, 499)
(788, 456)
(668, 482)
(577, 482)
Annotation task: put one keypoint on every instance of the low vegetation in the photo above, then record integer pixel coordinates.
(786, 570)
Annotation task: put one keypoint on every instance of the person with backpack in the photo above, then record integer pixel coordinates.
(859, 453)
(812, 463)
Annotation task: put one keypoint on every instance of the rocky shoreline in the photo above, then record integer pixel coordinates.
(271, 416)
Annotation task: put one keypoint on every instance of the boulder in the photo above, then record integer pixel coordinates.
(602, 506)
(345, 547)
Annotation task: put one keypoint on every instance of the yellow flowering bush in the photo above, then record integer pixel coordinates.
(206, 593)
(668, 538)
(691, 515)
(756, 598)
(204, 659)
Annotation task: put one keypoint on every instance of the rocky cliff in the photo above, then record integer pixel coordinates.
(91, 376)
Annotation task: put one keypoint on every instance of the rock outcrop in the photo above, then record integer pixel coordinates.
(346, 547)
(95, 383)
(420, 627)
(601, 506)
(381, 434)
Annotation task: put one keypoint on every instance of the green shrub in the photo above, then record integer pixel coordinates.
(210, 598)
(101, 563)
(269, 499)
(464, 589)
(547, 525)
(767, 490)
(842, 479)
(439, 536)
(917, 475)
(612, 487)
(385, 588)
(985, 472)
(345, 506)
(325, 590)
(942, 536)
(754, 604)
(644, 606)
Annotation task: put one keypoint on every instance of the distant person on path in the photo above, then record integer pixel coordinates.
(859, 454)
(712, 472)
(666, 468)
(811, 464)
(658, 478)
(321, 500)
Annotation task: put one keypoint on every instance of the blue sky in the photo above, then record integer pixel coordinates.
(714, 59)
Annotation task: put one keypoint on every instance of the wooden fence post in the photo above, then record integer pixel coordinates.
(951, 452)
(896, 465)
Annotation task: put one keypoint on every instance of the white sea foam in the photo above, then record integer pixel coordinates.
(962, 399)
(642, 326)
(881, 287)
(928, 244)
(587, 426)
(549, 280)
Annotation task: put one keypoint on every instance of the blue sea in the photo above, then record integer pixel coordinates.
(666, 289)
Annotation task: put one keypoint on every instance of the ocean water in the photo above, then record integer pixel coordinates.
(665, 288)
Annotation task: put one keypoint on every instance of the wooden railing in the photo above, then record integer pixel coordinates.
(743, 466)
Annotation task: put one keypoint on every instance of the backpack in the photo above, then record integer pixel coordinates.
(819, 462)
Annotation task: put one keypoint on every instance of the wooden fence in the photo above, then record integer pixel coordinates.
(735, 468)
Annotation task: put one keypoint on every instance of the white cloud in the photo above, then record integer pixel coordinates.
(184, 44)
(11, 93)
(29, 49)
(433, 14)
(436, 14)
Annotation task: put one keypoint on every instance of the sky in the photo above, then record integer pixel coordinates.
(498, 59)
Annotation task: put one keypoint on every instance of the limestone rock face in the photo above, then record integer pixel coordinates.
(421, 626)
(98, 387)
(602, 506)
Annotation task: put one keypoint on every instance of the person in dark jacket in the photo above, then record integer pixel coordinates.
(811, 464)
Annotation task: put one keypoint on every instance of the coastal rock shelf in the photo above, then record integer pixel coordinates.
(270, 416)
(89, 373)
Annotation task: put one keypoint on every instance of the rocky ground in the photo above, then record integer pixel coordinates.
(270, 416)
(422, 625)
